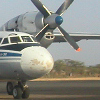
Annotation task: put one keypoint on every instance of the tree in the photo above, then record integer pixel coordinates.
(59, 66)
(66, 67)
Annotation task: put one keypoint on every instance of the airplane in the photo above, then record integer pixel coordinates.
(22, 58)
(24, 39)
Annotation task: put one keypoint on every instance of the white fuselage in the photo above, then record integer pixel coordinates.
(23, 60)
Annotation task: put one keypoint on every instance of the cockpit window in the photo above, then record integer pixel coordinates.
(5, 41)
(33, 38)
(26, 39)
(15, 39)
(0, 39)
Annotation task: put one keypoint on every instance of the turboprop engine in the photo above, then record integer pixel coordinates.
(30, 22)
(47, 39)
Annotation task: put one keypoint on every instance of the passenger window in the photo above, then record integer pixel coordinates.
(26, 39)
(5, 41)
(15, 39)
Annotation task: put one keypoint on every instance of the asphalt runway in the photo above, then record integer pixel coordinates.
(59, 90)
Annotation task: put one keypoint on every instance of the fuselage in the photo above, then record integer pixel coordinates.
(22, 58)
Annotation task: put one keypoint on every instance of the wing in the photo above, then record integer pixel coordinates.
(76, 36)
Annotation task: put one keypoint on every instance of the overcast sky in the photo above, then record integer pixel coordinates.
(82, 16)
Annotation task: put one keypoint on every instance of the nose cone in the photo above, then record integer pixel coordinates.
(36, 61)
(59, 20)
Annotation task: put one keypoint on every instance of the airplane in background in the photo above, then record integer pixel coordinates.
(23, 43)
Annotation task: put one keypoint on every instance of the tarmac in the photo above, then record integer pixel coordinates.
(59, 90)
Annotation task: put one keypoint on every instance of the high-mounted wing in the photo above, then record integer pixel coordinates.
(76, 36)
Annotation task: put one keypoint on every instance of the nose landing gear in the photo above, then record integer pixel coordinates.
(18, 90)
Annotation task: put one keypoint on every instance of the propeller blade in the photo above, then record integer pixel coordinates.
(41, 8)
(41, 33)
(64, 7)
(69, 39)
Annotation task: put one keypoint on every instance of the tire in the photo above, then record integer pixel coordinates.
(26, 93)
(9, 88)
(17, 92)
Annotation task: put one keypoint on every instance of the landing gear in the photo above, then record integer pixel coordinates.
(9, 88)
(26, 93)
(20, 90)
(17, 92)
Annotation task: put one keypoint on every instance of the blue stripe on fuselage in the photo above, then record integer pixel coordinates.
(8, 54)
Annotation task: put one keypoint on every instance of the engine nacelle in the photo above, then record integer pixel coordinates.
(47, 40)
(30, 22)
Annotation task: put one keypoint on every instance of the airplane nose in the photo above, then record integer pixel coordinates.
(36, 61)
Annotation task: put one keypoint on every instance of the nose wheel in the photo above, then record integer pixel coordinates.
(17, 92)
(20, 90)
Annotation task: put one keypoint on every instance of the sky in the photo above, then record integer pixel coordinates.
(81, 16)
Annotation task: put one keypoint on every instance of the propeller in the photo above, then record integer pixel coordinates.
(68, 38)
(54, 20)
(42, 32)
(64, 7)
(41, 8)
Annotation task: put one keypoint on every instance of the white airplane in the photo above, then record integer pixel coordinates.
(21, 57)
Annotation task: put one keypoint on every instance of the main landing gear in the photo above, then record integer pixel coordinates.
(18, 90)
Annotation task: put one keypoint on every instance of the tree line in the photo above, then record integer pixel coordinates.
(71, 68)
